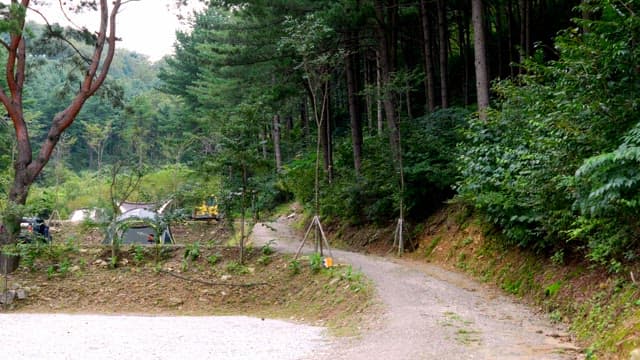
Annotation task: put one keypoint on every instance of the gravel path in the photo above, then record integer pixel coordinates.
(59, 336)
(431, 313)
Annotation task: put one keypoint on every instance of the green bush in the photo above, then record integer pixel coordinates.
(531, 167)
(430, 150)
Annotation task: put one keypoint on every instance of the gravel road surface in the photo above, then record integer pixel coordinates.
(97, 337)
(431, 313)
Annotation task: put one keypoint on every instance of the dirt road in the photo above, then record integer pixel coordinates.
(430, 313)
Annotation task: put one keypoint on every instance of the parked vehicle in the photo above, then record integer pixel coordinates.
(34, 228)
(207, 210)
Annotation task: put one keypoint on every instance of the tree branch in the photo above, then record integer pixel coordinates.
(89, 86)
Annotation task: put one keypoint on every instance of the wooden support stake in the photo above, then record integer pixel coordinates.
(315, 223)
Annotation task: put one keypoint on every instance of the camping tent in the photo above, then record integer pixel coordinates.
(135, 227)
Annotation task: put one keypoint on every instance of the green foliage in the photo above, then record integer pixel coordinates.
(192, 251)
(294, 267)
(553, 289)
(264, 260)
(315, 261)
(138, 254)
(529, 167)
(430, 171)
(213, 259)
(354, 278)
(234, 267)
(267, 249)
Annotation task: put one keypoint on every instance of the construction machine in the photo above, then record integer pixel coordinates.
(207, 210)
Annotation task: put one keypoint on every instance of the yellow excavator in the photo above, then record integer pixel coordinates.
(207, 210)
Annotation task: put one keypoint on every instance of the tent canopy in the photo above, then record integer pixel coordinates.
(137, 226)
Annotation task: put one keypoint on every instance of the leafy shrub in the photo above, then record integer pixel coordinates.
(294, 267)
(138, 254)
(192, 251)
(315, 261)
(264, 260)
(525, 166)
(235, 267)
(429, 166)
(213, 259)
(267, 249)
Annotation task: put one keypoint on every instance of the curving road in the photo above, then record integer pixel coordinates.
(430, 313)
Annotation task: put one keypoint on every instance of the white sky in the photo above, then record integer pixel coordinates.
(148, 27)
(145, 26)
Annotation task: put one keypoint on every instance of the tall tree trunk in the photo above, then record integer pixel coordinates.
(499, 28)
(304, 120)
(510, 36)
(90, 151)
(430, 79)
(444, 53)
(242, 215)
(263, 142)
(524, 30)
(368, 100)
(387, 49)
(329, 129)
(276, 142)
(288, 123)
(325, 134)
(482, 80)
(355, 115)
(463, 38)
(379, 108)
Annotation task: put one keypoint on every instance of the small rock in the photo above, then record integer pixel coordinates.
(634, 354)
(7, 297)
(124, 261)
(223, 293)
(75, 268)
(101, 263)
(175, 301)
(21, 294)
(251, 270)
(225, 277)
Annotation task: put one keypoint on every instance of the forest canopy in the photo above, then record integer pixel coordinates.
(382, 95)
